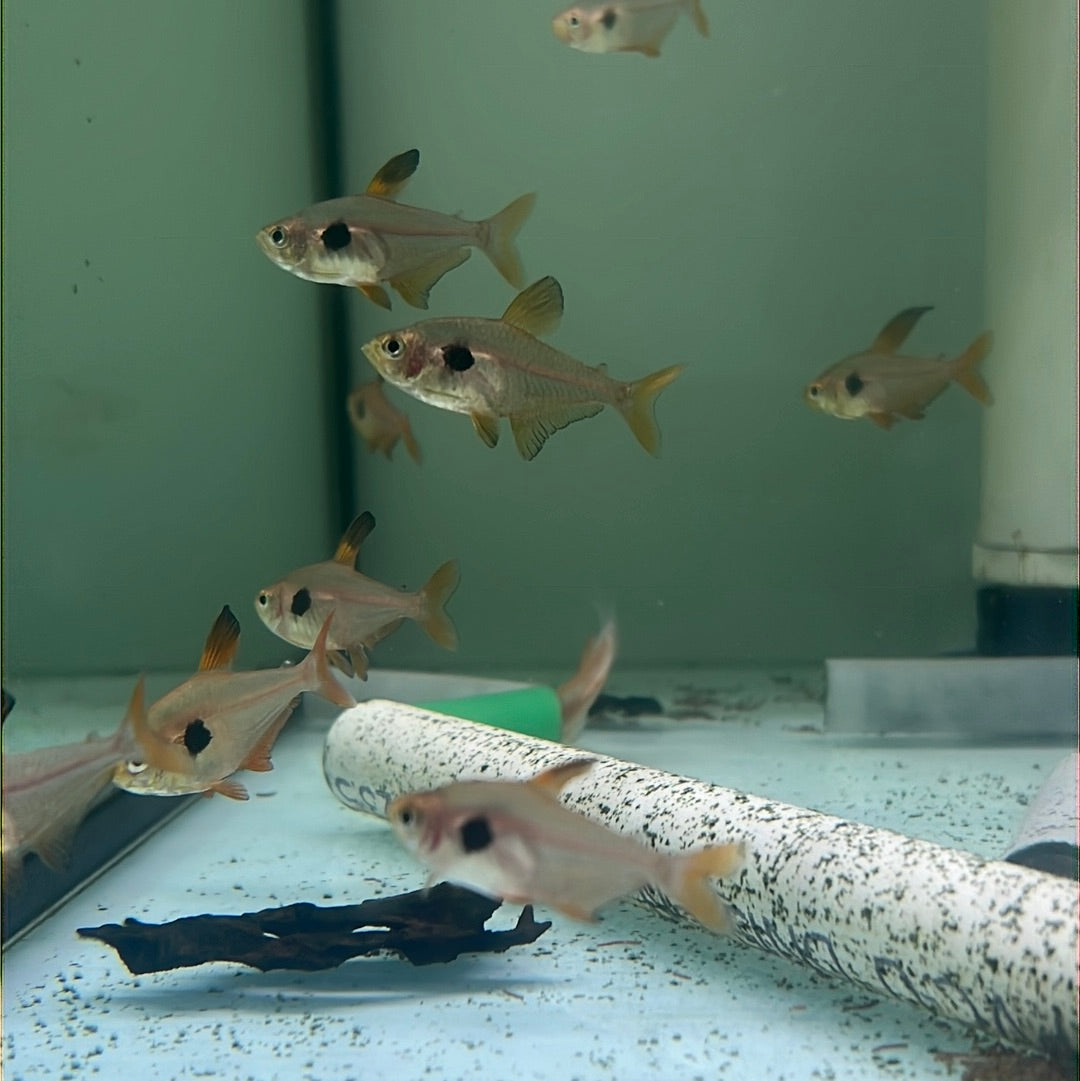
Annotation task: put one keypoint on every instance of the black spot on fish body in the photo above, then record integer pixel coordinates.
(458, 357)
(301, 602)
(476, 835)
(336, 236)
(608, 18)
(853, 384)
(197, 737)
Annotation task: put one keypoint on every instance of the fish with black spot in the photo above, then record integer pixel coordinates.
(365, 240)
(218, 721)
(378, 422)
(884, 386)
(516, 841)
(625, 26)
(364, 610)
(494, 368)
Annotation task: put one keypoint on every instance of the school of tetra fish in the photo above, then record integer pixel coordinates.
(510, 838)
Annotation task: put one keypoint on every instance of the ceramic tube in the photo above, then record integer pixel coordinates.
(984, 942)
(1027, 524)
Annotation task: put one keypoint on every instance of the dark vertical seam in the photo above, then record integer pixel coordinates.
(321, 23)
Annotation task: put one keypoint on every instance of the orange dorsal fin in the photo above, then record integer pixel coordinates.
(552, 781)
(349, 546)
(394, 175)
(221, 642)
(894, 332)
(538, 309)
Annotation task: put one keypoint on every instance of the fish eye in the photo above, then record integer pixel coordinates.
(278, 236)
(135, 767)
(573, 20)
(264, 600)
(814, 390)
(392, 347)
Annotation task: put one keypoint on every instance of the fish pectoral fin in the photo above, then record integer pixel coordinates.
(349, 546)
(415, 286)
(897, 329)
(341, 660)
(538, 309)
(552, 781)
(394, 175)
(486, 426)
(221, 642)
(912, 412)
(882, 420)
(531, 430)
(227, 787)
(258, 758)
(375, 293)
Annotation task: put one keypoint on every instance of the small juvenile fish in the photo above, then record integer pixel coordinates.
(364, 611)
(363, 240)
(492, 368)
(218, 722)
(625, 26)
(48, 792)
(514, 840)
(378, 422)
(884, 386)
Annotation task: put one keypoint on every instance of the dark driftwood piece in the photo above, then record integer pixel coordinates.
(425, 927)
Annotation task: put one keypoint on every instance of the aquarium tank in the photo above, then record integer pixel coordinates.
(746, 329)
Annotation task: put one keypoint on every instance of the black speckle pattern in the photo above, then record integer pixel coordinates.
(980, 941)
(458, 357)
(197, 737)
(336, 236)
(476, 834)
(301, 602)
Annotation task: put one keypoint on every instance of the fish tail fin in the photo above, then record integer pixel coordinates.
(435, 594)
(578, 693)
(963, 368)
(697, 14)
(637, 407)
(499, 233)
(689, 885)
(322, 680)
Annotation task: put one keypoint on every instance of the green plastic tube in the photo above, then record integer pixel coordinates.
(533, 711)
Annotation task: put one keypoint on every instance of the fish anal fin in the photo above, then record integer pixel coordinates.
(531, 430)
(375, 293)
(882, 420)
(538, 309)
(341, 660)
(486, 426)
(228, 787)
(258, 758)
(415, 286)
(552, 781)
(646, 48)
(394, 175)
(697, 15)
(359, 530)
(893, 333)
(221, 642)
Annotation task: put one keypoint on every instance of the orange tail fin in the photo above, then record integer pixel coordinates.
(498, 243)
(690, 883)
(436, 593)
(963, 368)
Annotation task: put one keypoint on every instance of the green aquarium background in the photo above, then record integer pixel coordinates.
(754, 205)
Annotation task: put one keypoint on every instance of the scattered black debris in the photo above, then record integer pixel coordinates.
(1001, 1064)
(9, 701)
(425, 927)
(633, 706)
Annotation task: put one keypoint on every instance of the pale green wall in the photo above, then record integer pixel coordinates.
(755, 205)
(162, 429)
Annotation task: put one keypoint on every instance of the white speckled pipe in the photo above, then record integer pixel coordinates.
(984, 942)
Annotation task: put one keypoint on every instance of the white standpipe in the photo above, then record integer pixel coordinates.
(1027, 525)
